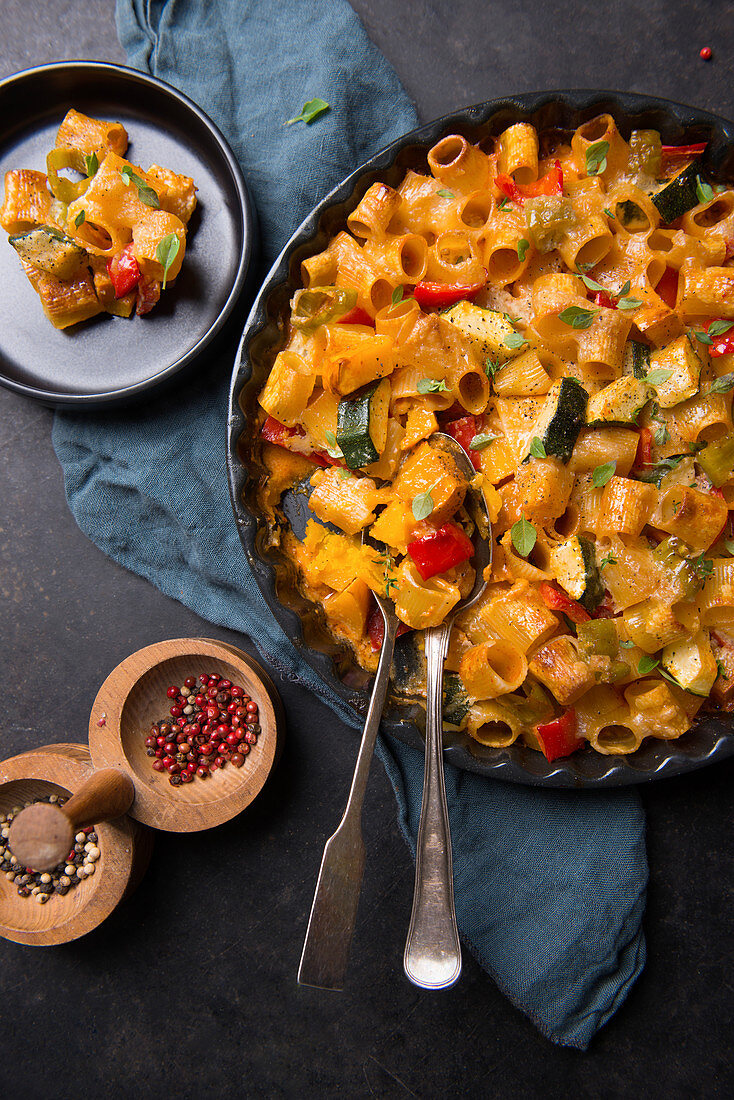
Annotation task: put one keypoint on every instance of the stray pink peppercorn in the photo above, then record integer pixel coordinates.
(705, 53)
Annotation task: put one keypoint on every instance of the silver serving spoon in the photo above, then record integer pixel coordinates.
(334, 910)
(432, 957)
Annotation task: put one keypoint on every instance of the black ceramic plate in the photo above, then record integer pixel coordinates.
(110, 360)
(712, 738)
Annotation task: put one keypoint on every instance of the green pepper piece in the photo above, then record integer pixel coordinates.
(717, 459)
(671, 553)
(548, 218)
(597, 638)
(646, 152)
(319, 305)
(62, 188)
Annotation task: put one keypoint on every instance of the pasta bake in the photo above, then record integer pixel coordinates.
(562, 304)
(107, 240)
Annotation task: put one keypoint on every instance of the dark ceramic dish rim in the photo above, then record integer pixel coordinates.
(248, 230)
(711, 739)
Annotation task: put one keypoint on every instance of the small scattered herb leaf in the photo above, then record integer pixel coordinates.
(522, 247)
(524, 536)
(146, 194)
(647, 664)
(624, 289)
(704, 191)
(166, 252)
(722, 670)
(515, 340)
(658, 376)
(422, 505)
(491, 367)
(608, 212)
(592, 284)
(723, 384)
(332, 447)
(79, 218)
(479, 442)
(537, 448)
(577, 317)
(397, 295)
(608, 560)
(718, 328)
(629, 303)
(91, 164)
(445, 193)
(596, 158)
(431, 385)
(311, 111)
(344, 473)
(504, 204)
(602, 474)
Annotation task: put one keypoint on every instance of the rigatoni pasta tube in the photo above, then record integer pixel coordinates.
(458, 164)
(492, 668)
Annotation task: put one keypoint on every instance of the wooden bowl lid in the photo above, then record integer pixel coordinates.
(124, 852)
(133, 697)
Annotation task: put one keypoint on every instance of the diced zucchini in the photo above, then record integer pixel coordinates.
(717, 460)
(561, 418)
(549, 218)
(691, 663)
(361, 429)
(631, 216)
(573, 564)
(645, 153)
(679, 194)
(50, 250)
(618, 403)
(597, 638)
(456, 702)
(636, 359)
(681, 359)
(486, 328)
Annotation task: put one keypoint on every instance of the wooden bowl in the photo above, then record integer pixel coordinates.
(133, 697)
(124, 846)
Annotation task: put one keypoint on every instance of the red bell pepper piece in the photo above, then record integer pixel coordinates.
(684, 150)
(357, 316)
(440, 550)
(557, 600)
(601, 298)
(463, 431)
(124, 272)
(442, 295)
(558, 738)
(279, 434)
(643, 457)
(550, 184)
(667, 288)
(722, 344)
(376, 629)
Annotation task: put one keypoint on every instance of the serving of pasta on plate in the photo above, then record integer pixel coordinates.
(107, 239)
(562, 304)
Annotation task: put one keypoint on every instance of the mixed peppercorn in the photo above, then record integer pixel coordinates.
(79, 864)
(210, 722)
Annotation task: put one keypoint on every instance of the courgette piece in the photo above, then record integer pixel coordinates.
(361, 424)
(631, 216)
(50, 250)
(717, 460)
(573, 564)
(636, 359)
(486, 328)
(682, 367)
(691, 663)
(456, 702)
(679, 194)
(561, 418)
(618, 403)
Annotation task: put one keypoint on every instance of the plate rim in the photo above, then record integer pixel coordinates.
(508, 764)
(248, 226)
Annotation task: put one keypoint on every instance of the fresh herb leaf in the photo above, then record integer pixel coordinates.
(629, 303)
(332, 447)
(445, 193)
(431, 385)
(577, 317)
(596, 158)
(702, 337)
(311, 110)
(704, 191)
(602, 474)
(608, 560)
(524, 536)
(702, 566)
(627, 644)
(91, 164)
(658, 376)
(522, 247)
(624, 289)
(592, 284)
(344, 473)
(586, 267)
(397, 295)
(504, 204)
(491, 367)
(729, 544)
(537, 448)
(723, 384)
(423, 504)
(661, 435)
(608, 212)
(146, 194)
(79, 218)
(722, 670)
(166, 252)
(515, 340)
(479, 442)
(718, 328)
(647, 664)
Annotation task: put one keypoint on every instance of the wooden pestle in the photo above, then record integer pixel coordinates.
(42, 835)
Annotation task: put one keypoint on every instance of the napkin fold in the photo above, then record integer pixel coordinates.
(550, 886)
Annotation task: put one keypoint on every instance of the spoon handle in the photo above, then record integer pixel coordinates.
(334, 910)
(432, 953)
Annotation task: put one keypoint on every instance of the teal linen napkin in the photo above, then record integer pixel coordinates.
(550, 886)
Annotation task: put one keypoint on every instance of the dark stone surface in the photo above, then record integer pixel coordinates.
(189, 989)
